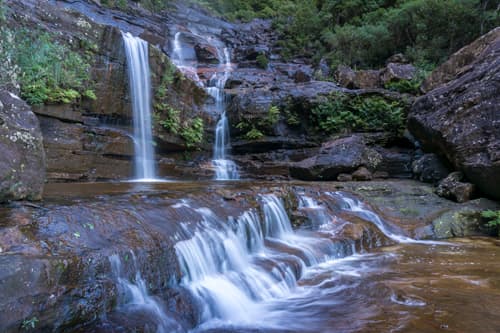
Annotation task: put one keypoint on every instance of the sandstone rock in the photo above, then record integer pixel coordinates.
(397, 72)
(367, 79)
(453, 188)
(345, 76)
(397, 58)
(344, 177)
(22, 161)
(429, 168)
(463, 220)
(460, 117)
(343, 155)
(362, 174)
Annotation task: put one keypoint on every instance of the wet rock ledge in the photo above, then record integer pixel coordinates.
(55, 255)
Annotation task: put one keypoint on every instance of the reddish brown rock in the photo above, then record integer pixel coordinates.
(22, 159)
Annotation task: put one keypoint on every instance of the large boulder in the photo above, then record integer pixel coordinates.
(335, 157)
(22, 162)
(459, 117)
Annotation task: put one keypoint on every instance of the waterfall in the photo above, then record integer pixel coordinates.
(233, 269)
(225, 169)
(184, 58)
(136, 51)
(134, 297)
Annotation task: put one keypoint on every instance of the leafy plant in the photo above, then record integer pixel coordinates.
(254, 134)
(172, 121)
(262, 61)
(493, 218)
(29, 324)
(192, 132)
(366, 113)
(49, 72)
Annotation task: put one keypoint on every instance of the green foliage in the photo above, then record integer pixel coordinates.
(172, 121)
(364, 33)
(262, 61)
(254, 134)
(291, 117)
(192, 132)
(29, 324)
(273, 116)
(362, 113)
(47, 71)
(492, 216)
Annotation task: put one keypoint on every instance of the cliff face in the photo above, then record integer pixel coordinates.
(459, 116)
(274, 106)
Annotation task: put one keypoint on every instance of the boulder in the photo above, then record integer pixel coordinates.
(453, 188)
(397, 72)
(22, 162)
(345, 75)
(429, 168)
(362, 174)
(398, 58)
(367, 79)
(459, 117)
(335, 157)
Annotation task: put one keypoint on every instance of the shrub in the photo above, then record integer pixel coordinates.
(362, 113)
(262, 61)
(254, 134)
(493, 218)
(49, 72)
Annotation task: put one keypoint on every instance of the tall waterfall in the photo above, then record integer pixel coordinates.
(184, 57)
(136, 51)
(225, 169)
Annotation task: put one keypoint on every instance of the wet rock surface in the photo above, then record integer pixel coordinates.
(459, 116)
(60, 249)
(22, 161)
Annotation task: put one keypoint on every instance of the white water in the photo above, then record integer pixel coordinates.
(135, 297)
(184, 58)
(235, 270)
(225, 169)
(358, 207)
(181, 58)
(136, 51)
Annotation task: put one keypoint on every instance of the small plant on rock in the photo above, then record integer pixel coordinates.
(493, 218)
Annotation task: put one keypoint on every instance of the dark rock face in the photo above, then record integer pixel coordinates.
(453, 188)
(343, 155)
(459, 117)
(22, 161)
(429, 168)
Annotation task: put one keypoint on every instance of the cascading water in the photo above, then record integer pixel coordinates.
(184, 58)
(135, 297)
(236, 271)
(225, 169)
(136, 51)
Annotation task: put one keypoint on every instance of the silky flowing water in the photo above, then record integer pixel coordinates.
(136, 51)
(346, 269)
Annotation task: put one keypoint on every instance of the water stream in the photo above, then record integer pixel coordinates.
(136, 51)
(184, 57)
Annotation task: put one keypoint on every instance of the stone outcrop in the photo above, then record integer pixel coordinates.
(343, 155)
(22, 160)
(459, 117)
(452, 187)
